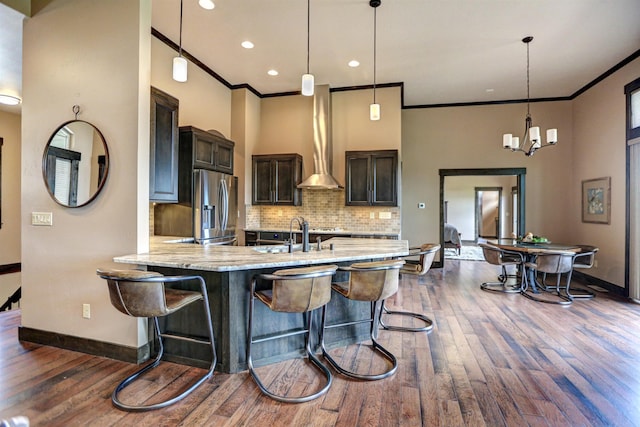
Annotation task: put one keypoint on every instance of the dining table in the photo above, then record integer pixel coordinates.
(531, 250)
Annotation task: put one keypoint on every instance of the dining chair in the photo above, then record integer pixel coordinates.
(557, 263)
(419, 267)
(583, 259)
(503, 258)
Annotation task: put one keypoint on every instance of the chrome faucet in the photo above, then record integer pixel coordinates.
(304, 226)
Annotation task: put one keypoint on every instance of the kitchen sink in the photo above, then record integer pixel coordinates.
(279, 249)
(275, 249)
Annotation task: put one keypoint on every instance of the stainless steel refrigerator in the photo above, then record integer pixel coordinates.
(215, 207)
(209, 214)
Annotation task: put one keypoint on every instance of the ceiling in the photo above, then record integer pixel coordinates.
(443, 51)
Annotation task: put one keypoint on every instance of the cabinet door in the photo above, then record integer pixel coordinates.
(384, 179)
(284, 187)
(357, 191)
(261, 181)
(224, 156)
(204, 152)
(163, 166)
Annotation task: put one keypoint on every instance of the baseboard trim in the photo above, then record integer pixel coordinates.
(590, 280)
(84, 345)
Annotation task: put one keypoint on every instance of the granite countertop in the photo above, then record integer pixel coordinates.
(234, 258)
(335, 231)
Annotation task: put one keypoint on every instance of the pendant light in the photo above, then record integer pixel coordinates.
(531, 140)
(307, 79)
(374, 109)
(179, 62)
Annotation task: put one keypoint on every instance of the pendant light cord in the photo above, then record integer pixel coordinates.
(528, 97)
(180, 46)
(308, 31)
(375, 26)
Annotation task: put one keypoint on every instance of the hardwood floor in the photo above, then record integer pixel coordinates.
(491, 359)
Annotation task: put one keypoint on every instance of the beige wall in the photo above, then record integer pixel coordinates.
(102, 66)
(471, 137)
(10, 230)
(204, 102)
(599, 151)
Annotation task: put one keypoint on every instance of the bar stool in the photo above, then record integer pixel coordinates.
(503, 258)
(368, 281)
(427, 253)
(299, 290)
(143, 294)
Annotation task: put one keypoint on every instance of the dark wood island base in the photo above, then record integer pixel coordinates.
(228, 287)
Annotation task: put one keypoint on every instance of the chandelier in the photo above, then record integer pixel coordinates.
(531, 141)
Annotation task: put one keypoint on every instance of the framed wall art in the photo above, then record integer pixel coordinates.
(596, 200)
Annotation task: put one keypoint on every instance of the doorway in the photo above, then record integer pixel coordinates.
(488, 202)
(518, 212)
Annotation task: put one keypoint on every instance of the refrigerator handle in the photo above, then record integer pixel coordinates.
(222, 203)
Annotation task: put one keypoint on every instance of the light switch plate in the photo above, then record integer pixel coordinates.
(42, 218)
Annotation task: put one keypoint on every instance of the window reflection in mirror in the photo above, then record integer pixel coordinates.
(75, 163)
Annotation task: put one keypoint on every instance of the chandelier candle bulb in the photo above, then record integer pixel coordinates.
(515, 143)
(506, 140)
(534, 134)
(552, 136)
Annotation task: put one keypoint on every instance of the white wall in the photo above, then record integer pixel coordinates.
(95, 55)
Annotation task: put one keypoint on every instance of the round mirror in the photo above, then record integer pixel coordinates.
(75, 163)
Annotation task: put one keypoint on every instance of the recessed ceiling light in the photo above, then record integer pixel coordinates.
(353, 63)
(206, 4)
(9, 100)
(247, 44)
(272, 72)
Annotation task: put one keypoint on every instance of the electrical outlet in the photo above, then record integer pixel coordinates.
(86, 311)
(372, 215)
(595, 263)
(42, 218)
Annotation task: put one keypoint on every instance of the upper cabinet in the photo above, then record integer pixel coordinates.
(163, 164)
(371, 178)
(275, 179)
(200, 149)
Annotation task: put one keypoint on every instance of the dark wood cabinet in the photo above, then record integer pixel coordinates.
(200, 149)
(371, 178)
(275, 179)
(163, 164)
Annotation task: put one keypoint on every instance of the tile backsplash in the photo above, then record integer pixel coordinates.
(326, 209)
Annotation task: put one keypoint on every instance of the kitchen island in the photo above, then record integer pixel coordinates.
(228, 270)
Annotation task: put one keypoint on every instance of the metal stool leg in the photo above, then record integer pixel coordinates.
(376, 347)
(428, 323)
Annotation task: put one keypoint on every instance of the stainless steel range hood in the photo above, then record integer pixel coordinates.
(322, 144)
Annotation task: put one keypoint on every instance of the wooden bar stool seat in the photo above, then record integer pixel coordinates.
(368, 281)
(143, 294)
(298, 290)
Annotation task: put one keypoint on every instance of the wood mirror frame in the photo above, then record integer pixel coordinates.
(75, 163)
